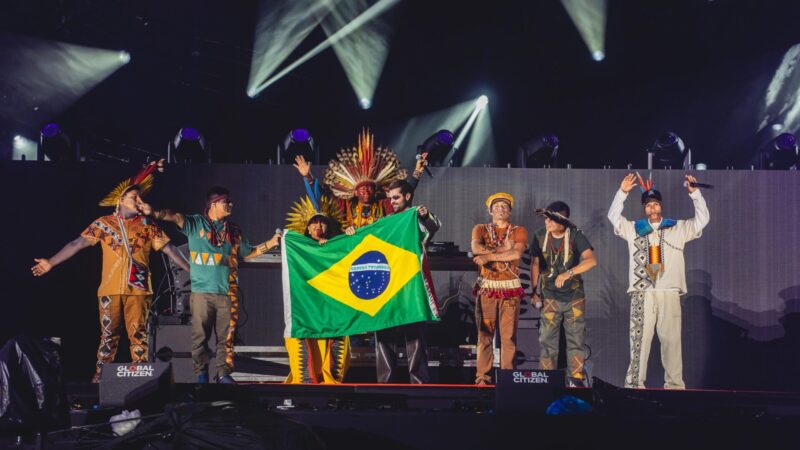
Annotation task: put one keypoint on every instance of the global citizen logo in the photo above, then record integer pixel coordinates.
(135, 370)
(530, 377)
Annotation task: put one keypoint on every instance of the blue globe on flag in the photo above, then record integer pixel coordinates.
(369, 275)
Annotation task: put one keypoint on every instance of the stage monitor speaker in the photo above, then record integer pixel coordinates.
(173, 344)
(527, 390)
(136, 385)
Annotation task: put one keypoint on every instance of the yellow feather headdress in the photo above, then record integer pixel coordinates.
(362, 164)
(142, 180)
(303, 210)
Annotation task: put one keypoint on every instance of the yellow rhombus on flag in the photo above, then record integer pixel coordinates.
(401, 265)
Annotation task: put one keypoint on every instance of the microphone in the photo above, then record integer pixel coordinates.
(419, 157)
(698, 185)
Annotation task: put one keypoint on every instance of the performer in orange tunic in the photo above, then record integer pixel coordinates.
(498, 247)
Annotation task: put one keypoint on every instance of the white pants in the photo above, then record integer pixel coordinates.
(660, 312)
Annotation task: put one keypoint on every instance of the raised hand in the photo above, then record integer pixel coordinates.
(302, 166)
(422, 210)
(628, 183)
(42, 267)
(422, 162)
(690, 179)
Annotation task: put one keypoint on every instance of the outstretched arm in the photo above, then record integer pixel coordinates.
(264, 247)
(176, 256)
(44, 265)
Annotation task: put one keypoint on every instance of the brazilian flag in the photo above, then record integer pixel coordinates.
(354, 284)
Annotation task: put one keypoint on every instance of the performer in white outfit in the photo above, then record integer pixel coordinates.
(657, 277)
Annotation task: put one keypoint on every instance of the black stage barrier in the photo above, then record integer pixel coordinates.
(740, 317)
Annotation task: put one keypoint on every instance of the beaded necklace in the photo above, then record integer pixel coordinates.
(497, 242)
(553, 257)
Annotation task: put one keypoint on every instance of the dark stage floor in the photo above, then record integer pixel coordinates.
(434, 416)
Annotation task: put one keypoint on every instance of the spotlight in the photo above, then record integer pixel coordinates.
(481, 102)
(365, 103)
(781, 153)
(298, 143)
(541, 151)
(437, 146)
(188, 146)
(55, 144)
(598, 55)
(23, 149)
(125, 57)
(669, 151)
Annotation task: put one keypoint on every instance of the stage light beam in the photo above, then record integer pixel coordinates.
(589, 17)
(40, 78)
(363, 52)
(369, 14)
(283, 25)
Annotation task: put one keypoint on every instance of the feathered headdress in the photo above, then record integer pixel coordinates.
(305, 209)
(142, 180)
(649, 193)
(362, 164)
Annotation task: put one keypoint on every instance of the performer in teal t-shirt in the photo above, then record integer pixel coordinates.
(215, 247)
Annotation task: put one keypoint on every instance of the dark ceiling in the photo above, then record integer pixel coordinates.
(697, 67)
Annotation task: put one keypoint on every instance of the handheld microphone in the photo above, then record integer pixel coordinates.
(419, 157)
(698, 185)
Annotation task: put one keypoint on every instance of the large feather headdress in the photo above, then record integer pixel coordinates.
(305, 209)
(362, 164)
(142, 180)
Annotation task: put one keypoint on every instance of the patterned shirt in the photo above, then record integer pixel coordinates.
(143, 235)
(214, 269)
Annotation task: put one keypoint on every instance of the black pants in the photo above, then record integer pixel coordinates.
(387, 343)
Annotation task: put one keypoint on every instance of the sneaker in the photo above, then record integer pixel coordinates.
(226, 379)
(202, 378)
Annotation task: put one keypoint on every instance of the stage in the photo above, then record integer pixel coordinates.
(458, 417)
